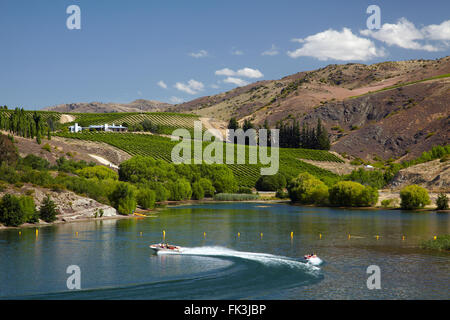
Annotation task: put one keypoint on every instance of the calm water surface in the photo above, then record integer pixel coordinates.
(116, 262)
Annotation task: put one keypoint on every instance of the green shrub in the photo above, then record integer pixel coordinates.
(48, 210)
(10, 211)
(47, 147)
(179, 190)
(123, 198)
(281, 194)
(442, 201)
(307, 189)
(271, 183)
(414, 197)
(146, 198)
(100, 172)
(34, 162)
(28, 208)
(352, 194)
(207, 187)
(197, 191)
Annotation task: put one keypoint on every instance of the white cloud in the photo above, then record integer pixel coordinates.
(337, 45)
(162, 84)
(438, 31)
(192, 87)
(404, 35)
(139, 92)
(175, 100)
(200, 54)
(245, 72)
(215, 86)
(271, 52)
(237, 81)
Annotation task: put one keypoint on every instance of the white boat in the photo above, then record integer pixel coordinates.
(164, 247)
(313, 259)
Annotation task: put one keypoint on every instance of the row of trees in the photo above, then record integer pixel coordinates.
(291, 134)
(294, 136)
(22, 124)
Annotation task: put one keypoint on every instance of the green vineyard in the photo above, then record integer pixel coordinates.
(247, 174)
(165, 120)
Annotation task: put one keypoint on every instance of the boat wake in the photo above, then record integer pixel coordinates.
(263, 258)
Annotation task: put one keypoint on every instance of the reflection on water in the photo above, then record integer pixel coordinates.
(116, 263)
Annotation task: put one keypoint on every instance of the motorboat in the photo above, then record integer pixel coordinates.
(164, 247)
(313, 259)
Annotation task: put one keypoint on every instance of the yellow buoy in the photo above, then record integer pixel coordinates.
(377, 236)
(76, 233)
(239, 234)
(320, 236)
(403, 237)
(204, 235)
(261, 235)
(434, 238)
(37, 232)
(20, 233)
(292, 234)
(164, 235)
(141, 233)
(349, 236)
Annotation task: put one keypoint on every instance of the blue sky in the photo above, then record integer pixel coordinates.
(198, 47)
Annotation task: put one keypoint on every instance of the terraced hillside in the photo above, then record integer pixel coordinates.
(247, 174)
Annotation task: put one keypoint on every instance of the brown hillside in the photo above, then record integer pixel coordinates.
(100, 107)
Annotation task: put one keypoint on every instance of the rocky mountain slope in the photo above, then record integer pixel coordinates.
(100, 107)
(389, 109)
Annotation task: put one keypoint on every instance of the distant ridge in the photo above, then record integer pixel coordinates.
(140, 105)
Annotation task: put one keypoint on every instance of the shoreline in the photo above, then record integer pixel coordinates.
(174, 204)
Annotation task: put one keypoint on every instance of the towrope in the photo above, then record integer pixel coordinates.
(257, 146)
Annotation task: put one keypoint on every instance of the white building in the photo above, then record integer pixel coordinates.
(104, 127)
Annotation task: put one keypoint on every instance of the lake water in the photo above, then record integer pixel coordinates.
(116, 263)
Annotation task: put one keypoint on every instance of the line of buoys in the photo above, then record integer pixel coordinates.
(349, 236)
